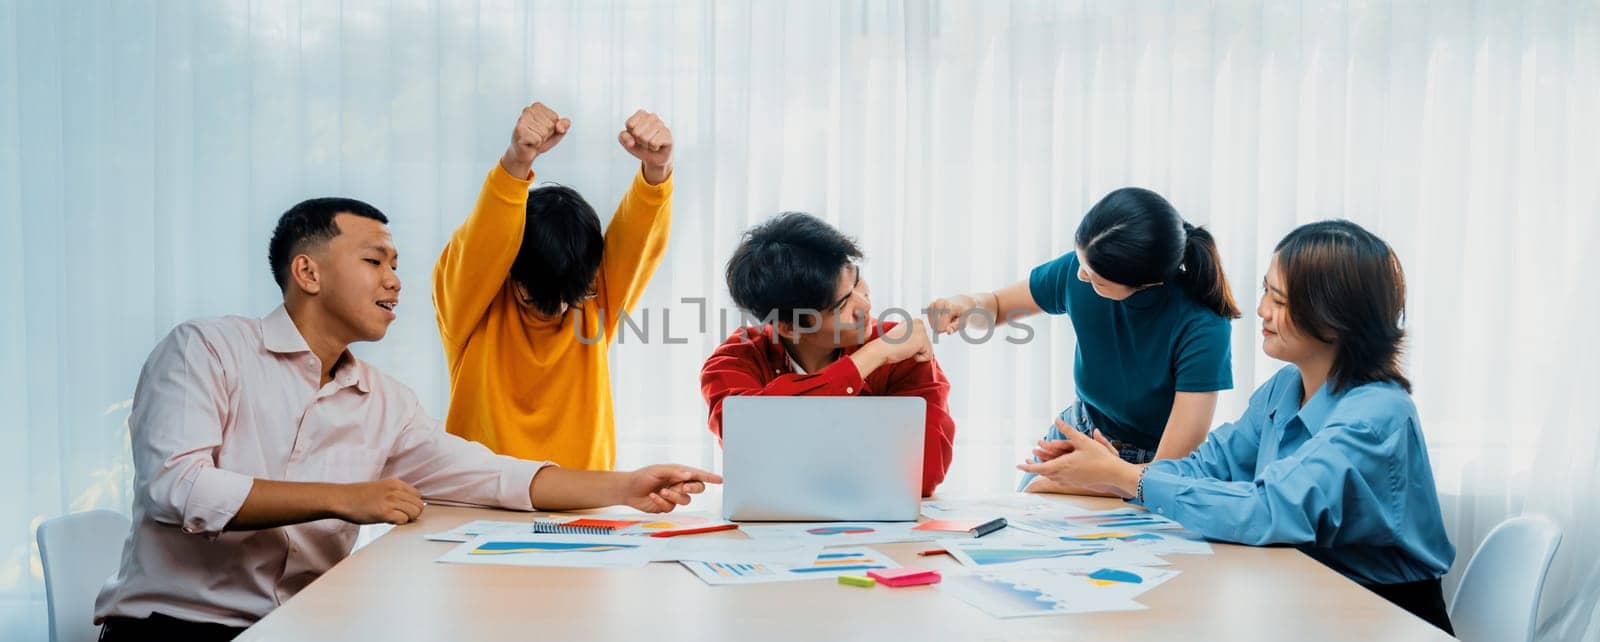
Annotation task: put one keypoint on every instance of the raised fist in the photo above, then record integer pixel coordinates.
(538, 130)
(649, 140)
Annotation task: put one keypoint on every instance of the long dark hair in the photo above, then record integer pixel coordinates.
(1346, 287)
(1136, 238)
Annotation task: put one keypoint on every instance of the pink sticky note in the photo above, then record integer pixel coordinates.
(904, 576)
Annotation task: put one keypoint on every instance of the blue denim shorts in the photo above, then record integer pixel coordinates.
(1078, 418)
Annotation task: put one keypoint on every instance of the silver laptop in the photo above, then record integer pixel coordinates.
(813, 459)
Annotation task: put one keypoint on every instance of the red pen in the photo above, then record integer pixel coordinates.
(692, 531)
(932, 551)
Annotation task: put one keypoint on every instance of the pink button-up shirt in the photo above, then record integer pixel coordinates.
(223, 401)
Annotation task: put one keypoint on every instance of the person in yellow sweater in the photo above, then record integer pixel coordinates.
(529, 291)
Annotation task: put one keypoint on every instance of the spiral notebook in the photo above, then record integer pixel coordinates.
(581, 526)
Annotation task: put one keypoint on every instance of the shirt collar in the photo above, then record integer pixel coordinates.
(279, 334)
(794, 366)
(780, 354)
(1313, 414)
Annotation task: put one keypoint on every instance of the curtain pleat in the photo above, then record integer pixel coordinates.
(147, 150)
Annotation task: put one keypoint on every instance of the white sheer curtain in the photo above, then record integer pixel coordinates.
(146, 150)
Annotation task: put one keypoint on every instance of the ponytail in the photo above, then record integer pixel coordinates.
(1134, 237)
(1201, 275)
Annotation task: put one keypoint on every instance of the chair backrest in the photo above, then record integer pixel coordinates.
(1498, 598)
(79, 552)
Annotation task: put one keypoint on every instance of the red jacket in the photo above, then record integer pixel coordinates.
(753, 362)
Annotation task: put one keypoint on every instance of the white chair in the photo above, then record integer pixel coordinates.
(79, 552)
(1498, 598)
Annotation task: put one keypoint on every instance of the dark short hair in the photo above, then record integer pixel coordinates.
(1135, 237)
(787, 264)
(562, 244)
(307, 225)
(1345, 286)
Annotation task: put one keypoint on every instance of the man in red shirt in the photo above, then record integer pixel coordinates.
(817, 337)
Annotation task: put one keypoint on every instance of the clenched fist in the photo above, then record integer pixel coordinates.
(649, 140)
(384, 501)
(949, 314)
(904, 341)
(538, 130)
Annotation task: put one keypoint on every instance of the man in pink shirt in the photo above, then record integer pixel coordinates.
(260, 444)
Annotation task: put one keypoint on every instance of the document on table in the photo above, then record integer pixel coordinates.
(1056, 524)
(643, 525)
(470, 530)
(1121, 528)
(840, 533)
(1155, 543)
(1035, 592)
(1007, 506)
(981, 554)
(583, 551)
(830, 563)
(727, 550)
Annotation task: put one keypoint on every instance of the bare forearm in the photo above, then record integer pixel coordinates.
(1115, 478)
(1045, 485)
(1006, 304)
(1015, 301)
(555, 488)
(516, 166)
(271, 504)
(656, 174)
(1188, 424)
(1178, 444)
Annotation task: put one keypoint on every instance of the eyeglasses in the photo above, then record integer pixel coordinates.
(528, 300)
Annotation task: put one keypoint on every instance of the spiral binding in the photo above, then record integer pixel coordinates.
(558, 528)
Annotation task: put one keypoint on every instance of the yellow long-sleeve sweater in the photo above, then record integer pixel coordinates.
(525, 386)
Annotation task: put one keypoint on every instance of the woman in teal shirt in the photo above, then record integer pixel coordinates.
(1151, 309)
(1329, 455)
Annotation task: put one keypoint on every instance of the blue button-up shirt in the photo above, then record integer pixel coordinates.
(1345, 479)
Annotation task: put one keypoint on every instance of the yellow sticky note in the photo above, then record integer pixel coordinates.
(854, 580)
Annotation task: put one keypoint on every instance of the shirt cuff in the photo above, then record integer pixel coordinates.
(516, 482)
(506, 187)
(651, 194)
(843, 378)
(1160, 489)
(215, 496)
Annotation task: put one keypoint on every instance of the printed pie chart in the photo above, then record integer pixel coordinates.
(1110, 576)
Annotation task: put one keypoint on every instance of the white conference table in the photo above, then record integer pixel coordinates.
(392, 589)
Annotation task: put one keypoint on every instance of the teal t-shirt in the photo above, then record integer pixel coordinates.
(1134, 354)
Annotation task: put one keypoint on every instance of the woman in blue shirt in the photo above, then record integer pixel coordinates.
(1151, 309)
(1329, 455)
